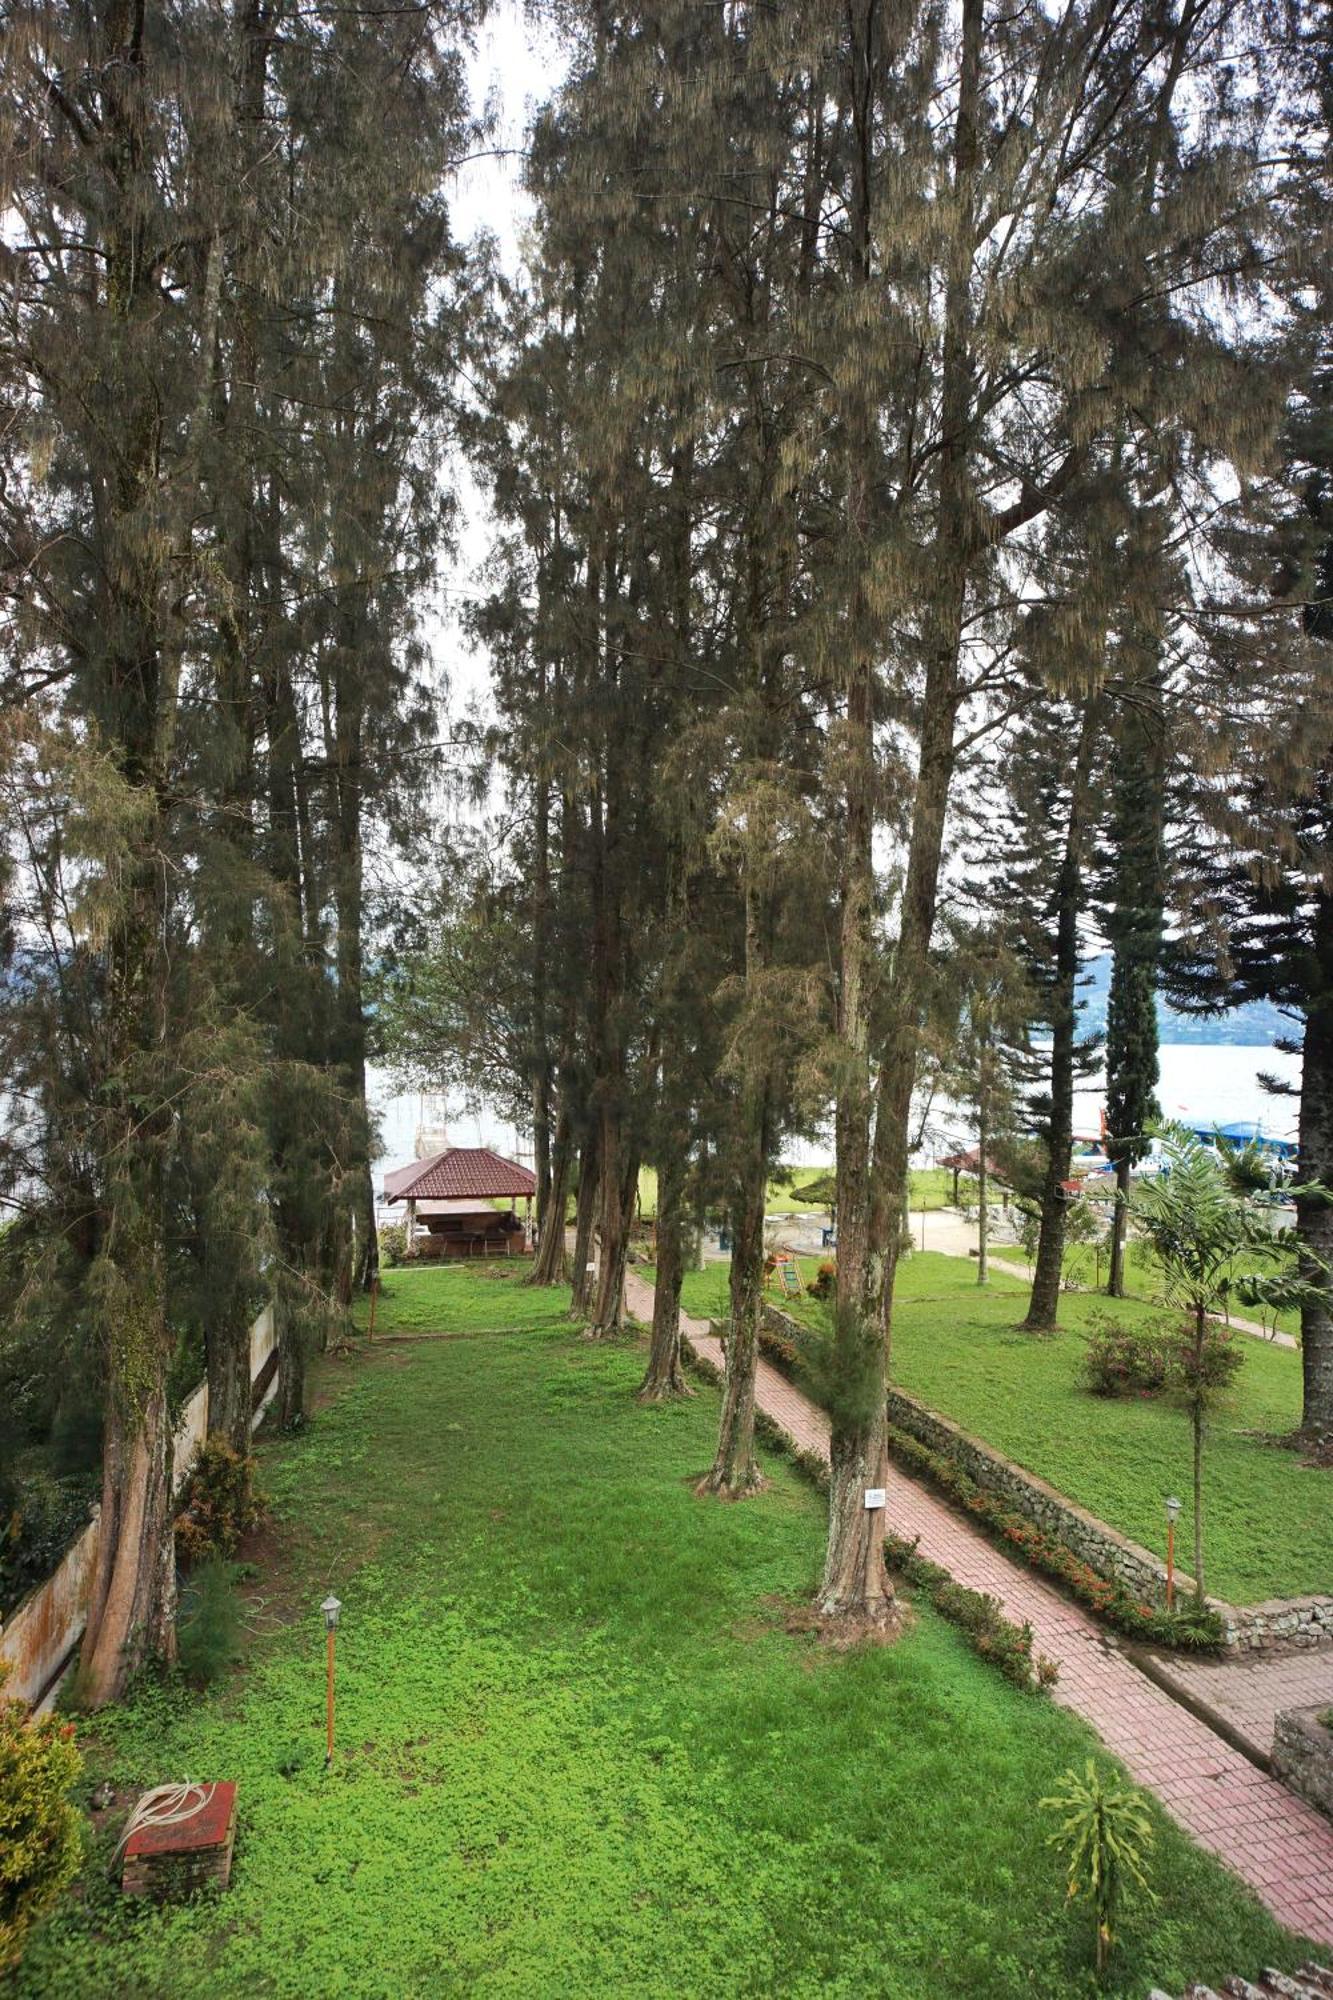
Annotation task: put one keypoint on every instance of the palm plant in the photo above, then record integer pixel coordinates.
(1104, 1835)
(1212, 1241)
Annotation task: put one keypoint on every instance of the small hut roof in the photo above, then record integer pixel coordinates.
(460, 1173)
(824, 1190)
(970, 1163)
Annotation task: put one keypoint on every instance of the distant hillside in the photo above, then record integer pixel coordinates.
(1256, 1024)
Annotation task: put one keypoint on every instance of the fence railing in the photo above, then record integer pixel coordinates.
(40, 1638)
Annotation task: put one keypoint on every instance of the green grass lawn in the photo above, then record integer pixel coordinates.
(1143, 1280)
(579, 1754)
(1268, 1518)
(931, 1187)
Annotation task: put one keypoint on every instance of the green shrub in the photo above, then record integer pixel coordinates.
(825, 1280)
(978, 1616)
(221, 1502)
(208, 1622)
(1125, 1358)
(46, 1512)
(294, 1757)
(40, 1841)
(393, 1245)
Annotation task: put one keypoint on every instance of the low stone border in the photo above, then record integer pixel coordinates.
(1278, 1625)
(1303, 1755)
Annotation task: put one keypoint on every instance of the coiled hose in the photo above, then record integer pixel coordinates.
(164, 1805)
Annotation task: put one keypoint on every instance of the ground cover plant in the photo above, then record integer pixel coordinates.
(1270, 1517)
(580, 1753)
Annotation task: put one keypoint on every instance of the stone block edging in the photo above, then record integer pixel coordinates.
(1278, 1625)
(1303, 1755)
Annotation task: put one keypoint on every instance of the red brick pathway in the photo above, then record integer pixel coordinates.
(1248, 1693)
(1280, 1847)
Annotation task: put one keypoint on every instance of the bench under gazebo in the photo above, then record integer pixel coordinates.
(453, 1194)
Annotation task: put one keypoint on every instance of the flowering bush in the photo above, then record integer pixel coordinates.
(1143, 1360)
(1212, 1366)
(40, 1845)
(1126, 1360)
(778, 1349)
(1109, 1598)
(393, 1245)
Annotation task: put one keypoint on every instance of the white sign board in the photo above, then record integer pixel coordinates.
(875, 1496)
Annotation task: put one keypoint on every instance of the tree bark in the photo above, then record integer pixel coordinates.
(131, 1610)
(581, 1288)
(1196, 1417)
(983, 1178)
(620, 1174)
(132, 1603)
(1314, 1219)
(664, 1377)
(954, 552)
(549, 1265)
(1115, 1277)
(227, 1358)
(734, 1473)
(1044, 1304)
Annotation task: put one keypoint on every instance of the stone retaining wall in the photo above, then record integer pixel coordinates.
(1278, 1625)
(1303, 1755)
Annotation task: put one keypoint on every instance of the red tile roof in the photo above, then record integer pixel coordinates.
(461, 1173)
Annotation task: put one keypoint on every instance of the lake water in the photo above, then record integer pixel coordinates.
(1199, 1085)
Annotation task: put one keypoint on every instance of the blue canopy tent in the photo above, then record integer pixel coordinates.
(1245, 1132)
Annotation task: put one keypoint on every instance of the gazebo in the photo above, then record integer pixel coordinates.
(453, 1193)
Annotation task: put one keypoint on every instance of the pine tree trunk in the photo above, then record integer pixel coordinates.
(854, 1588)
(1044, 1305)
(548, 1266)
(293, 1339)
(131, 1607)
(734, 1473)
(855, 1584)
(664, 1377)
(1196, 1417)
(131, 1610)
(541, 937)
(613, 1230)
(581, 1288)
(227, 1357)
(1314, 1220)
(983, 1186)
(952, 556)
(1115, 1277)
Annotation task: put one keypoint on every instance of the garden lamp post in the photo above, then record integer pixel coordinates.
(1172, 1516)
(330, 1607)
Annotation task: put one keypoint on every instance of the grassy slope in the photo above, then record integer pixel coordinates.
(1268, 1518)
(1143, 1279)
(579, 1756)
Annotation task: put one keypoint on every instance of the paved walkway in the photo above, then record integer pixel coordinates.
(1248, 1693)
(1280, 1847)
